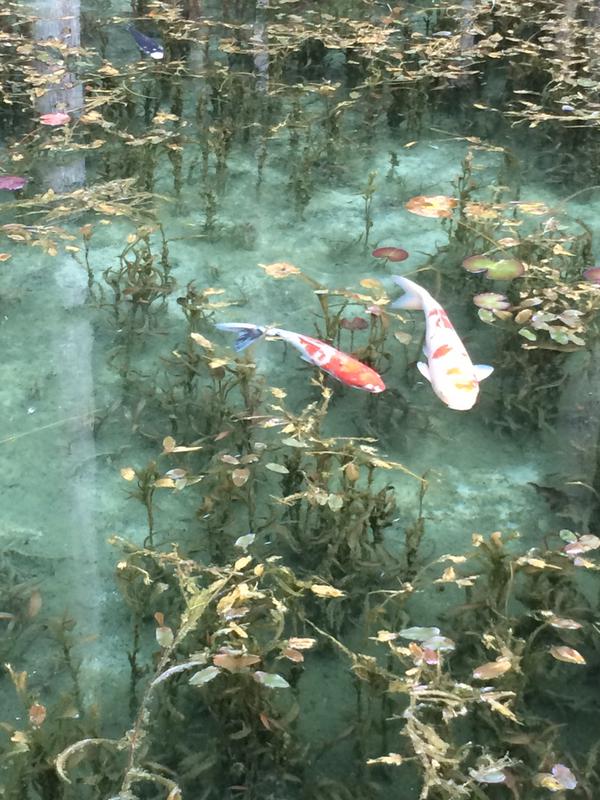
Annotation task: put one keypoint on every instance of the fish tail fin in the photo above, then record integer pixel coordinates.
(412, 299)
(247, 333)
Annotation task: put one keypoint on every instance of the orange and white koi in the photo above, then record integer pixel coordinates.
(453, 376)
(339, 365)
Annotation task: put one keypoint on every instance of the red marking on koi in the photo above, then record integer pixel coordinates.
(442, 350)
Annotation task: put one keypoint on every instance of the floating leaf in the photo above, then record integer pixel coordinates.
(419, 634)
(280, 269)
(235, 662)
(583, 544)
(55, 118)
(271, 680)
(202, 341)
(492, 669)
(564, 623)
(293, 655)
(277, 468)
(5, 256)
(389, 253)
(37, 714)
(434, 206)
(395, 759)
(564, 776)
(492, 301)
(128, 473)
(244, 541)
(240, 476)
(322, 590)
(301, 643)
(34, 605)
(567, 654)
(164, 636)
(204, 676)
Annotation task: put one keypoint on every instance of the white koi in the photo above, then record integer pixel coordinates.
(453, 376)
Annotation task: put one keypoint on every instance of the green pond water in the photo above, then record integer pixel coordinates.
(239, 150)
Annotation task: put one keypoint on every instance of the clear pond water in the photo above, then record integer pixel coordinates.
(253, 144)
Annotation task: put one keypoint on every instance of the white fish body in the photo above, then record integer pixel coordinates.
(453, 376)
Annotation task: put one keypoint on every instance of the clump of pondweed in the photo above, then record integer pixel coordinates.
(493, 682)
(141, 279)
(31, 742)
(223, 680)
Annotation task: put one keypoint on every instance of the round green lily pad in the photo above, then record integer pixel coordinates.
(492, 301)
(505, 269)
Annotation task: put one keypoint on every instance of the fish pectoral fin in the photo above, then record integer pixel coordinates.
(424, 370)
(483, 371)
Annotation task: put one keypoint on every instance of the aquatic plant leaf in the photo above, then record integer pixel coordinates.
(583, 544)
(322, 590)
(370, 283)
(164, 483)
(280, 269)
(564, 623)
(240, 476)
(492, 669)
(293, 655)
(301, 643)
(564, 776)
(235, 662)
(55, 118)
(277, 468)
(242, 563)
(164, 636)
(491, 301)
(403, 338)
(436, 206)
(418, 634)
(37, 714)
(391, 254)
(489, 775)
(439, 643)
(216, 363)
(394, 759)
(271, 680)
(128, 473)
(335, 502)
(5, 256)
(204, 676)
(244, 541)
(535, 208)
(567, 654)
(34, 604)
(202, 341)
(527, 334)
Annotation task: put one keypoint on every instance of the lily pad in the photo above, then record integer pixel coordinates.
(592, 274)
(505, 269)
(492, 301)
(390, 253)
(436, 206)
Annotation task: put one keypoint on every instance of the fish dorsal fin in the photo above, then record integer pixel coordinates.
(424, 370)
(483, 371)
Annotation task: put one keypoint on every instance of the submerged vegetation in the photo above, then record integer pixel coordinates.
(286, 624)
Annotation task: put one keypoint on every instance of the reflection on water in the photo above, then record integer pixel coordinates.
(198, 541)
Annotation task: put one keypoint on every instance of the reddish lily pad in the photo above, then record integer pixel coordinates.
(12, 182)
(492, 301)
(592, 274)
(504, 269)
(354, 324)
(390, 253)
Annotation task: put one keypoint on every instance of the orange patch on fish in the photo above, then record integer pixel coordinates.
(453, 371)
(442, 350)
(466, 386)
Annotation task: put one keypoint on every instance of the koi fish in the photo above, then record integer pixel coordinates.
(339, 365)
(149, 46)
(453, 376)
